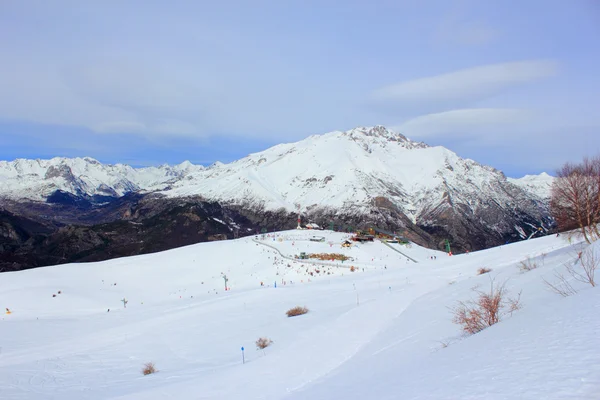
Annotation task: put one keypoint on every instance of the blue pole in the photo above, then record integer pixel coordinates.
(243, 358)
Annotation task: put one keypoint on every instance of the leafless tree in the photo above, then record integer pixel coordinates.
(575, 198)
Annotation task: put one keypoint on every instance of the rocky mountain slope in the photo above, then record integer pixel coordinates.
(354, 179)
(152, 224)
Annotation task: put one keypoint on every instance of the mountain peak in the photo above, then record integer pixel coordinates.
(379, 131)
(382, 135)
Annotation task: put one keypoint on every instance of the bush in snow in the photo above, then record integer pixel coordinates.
(527, 265)
(262, 343)
(292, 312)
(583, 270)
(483, 270)
(149, 368)
(486, 310)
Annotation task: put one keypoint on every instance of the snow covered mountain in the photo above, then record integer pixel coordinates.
(362, 174)
(540, 185)
(38, 179)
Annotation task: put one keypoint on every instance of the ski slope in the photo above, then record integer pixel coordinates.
(383, 331)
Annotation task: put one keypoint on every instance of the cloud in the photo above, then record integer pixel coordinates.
(465, 86)
(465, 123)
(535, 150)
(513, 140)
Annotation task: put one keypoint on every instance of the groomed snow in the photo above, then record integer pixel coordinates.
(375, 333)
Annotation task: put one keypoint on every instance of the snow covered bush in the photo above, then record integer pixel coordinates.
(292, 312)
(486, 310)
(262, 343)
(149, 368)
(483, 270)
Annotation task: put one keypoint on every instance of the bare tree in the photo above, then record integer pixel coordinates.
(575, 198)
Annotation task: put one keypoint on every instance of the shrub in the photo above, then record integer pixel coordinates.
(483, 270)
(561, 286)
(263, 342)
(292, 312)
(488, 309)
(352, 268)
(149, 368)
(527, 265)
(583, 270)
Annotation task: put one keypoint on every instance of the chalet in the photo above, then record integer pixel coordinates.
(363, 238)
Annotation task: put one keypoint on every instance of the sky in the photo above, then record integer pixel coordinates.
(514, 85)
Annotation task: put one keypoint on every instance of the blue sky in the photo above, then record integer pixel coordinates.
(514, 85)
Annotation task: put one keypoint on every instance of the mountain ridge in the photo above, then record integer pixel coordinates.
(78, 177)
(367, 176)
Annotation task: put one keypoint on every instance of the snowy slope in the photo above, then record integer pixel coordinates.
(540, 185)
(374, 333)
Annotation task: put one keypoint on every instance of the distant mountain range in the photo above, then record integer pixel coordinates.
(354, 179)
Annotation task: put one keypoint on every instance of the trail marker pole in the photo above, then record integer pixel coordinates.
(243, 358)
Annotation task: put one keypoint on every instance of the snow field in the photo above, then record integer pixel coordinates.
(375, 334)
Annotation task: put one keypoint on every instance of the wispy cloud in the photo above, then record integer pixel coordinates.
(219, 74)
(465, 123)
(463, 87)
